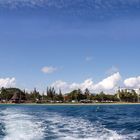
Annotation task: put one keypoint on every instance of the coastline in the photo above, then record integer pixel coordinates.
(71, 104)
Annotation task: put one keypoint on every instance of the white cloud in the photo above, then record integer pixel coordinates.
(48, 69)
(61, 85)
(7, 82)
(109, 83)
(66, 87)
(112, 70)
(133, 82)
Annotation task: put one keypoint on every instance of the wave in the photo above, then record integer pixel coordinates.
(21, 126)
(45, 125)
(70, 128)
(82, 9)
(95, 4)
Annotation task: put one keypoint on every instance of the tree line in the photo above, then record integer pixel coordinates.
(51, 96)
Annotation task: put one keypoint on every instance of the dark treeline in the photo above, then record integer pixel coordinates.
(16, 95)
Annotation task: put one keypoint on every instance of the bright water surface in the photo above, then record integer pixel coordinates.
(41, 122)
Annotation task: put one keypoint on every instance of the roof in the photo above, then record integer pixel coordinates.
(15, 96)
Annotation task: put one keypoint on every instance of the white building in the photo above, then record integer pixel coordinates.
(130, 90)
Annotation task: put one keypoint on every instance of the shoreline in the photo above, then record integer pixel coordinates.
(71, 104)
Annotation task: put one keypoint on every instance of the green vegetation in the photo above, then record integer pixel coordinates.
(15, 95)
(126, 96)
(7, 93)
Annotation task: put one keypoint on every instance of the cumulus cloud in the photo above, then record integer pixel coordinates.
(66, 87)
(48, 69)
(133, 82)
(109, 83)
(7, 82)
(112, 70)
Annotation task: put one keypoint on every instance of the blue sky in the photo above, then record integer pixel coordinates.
(75, 40)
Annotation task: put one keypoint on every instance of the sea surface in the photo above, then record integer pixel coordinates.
(43, 122)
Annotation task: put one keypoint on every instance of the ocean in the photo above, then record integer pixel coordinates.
(69, 122)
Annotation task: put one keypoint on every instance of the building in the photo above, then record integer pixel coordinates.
(130, 90)
(15, 98)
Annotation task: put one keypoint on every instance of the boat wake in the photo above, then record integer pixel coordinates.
(70, 128)
(23, 125)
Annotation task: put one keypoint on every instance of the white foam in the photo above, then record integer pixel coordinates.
(20, 126)
(80, 129)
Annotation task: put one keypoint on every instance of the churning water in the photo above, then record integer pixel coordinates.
(40, 122)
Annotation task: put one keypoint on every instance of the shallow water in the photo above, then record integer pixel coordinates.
(40, 122)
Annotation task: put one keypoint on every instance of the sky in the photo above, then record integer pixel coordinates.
(70, 44)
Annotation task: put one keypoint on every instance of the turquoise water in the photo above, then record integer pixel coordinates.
(40, 122)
